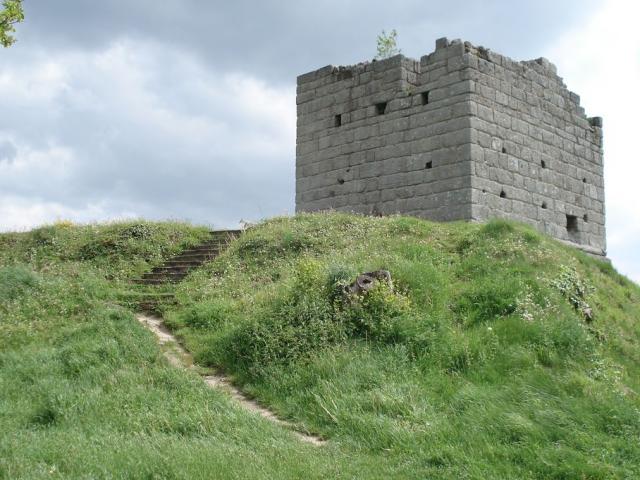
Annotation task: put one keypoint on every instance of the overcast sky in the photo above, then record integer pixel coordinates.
(185, 109)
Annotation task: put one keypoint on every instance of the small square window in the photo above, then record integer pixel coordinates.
(381, 108)
(337, 120)
(428, 165)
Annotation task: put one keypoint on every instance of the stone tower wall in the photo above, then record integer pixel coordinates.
(411, 155)
(534, 145)
(463, 134)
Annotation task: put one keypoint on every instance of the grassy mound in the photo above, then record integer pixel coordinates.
(84, 389)
(496, 353)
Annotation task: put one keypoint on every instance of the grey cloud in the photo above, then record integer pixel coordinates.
(278, 40)
(8, 151)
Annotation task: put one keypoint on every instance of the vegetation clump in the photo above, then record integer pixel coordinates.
(387, 45)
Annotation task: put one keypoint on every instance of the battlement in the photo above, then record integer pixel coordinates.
(462, 134)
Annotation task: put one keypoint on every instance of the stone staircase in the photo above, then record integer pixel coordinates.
(156, 287)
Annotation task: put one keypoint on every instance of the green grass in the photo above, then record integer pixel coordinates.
(481, 362)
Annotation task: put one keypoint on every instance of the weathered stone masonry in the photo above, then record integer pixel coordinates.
(462, 134)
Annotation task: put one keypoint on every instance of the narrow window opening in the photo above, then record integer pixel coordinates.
(337, 120)
(425, 97)
(544, 205)
(584, 179)
(504, 150)
(503, 194)
(585, 217)
(543, 164)
(429, 165)
(572, 224)
(381, 108)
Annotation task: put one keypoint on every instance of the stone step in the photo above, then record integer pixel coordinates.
(225, 233)
(135, 295)
(193, 257)
(205, 250)
(156, 281)
(176, 268)
(147, 299)
(215, 245)
(173, 269)
(167, 274)
(179, 264)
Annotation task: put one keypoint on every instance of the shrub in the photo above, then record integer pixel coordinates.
(137, 230)
(374, 313)
(575, 289)
(292, 327)
(312, 315)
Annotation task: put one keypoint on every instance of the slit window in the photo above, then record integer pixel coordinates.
(572, 224)
(337, 120)
(585, 217)
(544, 205)
(543, 164)
(504, 150)
(381, 108)
(425, 97)
(503, 194)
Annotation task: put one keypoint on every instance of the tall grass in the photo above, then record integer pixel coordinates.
(480, 362)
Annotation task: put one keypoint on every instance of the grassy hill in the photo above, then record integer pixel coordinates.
(497, 353)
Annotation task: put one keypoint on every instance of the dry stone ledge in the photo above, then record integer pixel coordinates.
(366, 281)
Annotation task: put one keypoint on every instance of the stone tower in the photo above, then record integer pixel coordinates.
(462, 134)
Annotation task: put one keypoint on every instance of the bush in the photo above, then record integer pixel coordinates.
(574, 288)
(374, 313)
(290, 328)
(314, 314)
(137, 231)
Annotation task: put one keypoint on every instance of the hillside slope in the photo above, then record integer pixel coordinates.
(496, 353)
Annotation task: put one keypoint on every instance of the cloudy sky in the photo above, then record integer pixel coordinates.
(185, 109)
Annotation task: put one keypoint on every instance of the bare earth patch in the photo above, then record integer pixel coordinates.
(180, 358)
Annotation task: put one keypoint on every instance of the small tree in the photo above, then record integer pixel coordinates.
(387, 45)
(11, 15)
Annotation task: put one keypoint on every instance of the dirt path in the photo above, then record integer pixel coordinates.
(180, 358)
